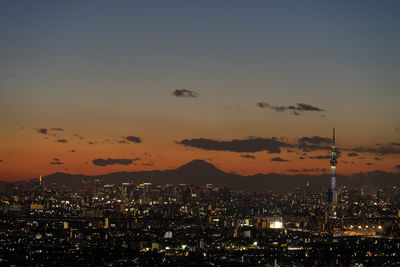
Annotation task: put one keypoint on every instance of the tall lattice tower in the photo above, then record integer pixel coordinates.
(333, 162)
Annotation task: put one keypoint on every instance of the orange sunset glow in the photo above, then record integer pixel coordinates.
(244, 90)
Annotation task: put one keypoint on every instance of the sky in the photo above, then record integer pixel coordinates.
(93, 87)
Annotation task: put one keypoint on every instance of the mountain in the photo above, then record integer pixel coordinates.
(200, 172)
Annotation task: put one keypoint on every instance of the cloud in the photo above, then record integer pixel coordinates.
(380, 150)
(398, 167)
(110, 161)
(313, 143)
(295, 110)
(248, 145)
(278, 159)
(352, 154)
(62, 141)
(296, 152)
(79, 136)
(247, 156)
(321, 157)
(56, 161)
(73, 150)
(134, 139)
(184, 93)
(292, 170)
(305, 107)
(57, 129)
(377, 158)
(369, 163)
(395, 144)
(42, 131)
(301, 157)
(1, 160)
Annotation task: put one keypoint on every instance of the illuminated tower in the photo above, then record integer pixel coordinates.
(333, 170)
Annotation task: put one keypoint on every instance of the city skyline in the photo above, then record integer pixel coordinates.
(199, 133)
(98, 88)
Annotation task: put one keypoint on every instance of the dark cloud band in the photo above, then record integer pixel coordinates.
(313, 143)
(249, 145)
(278, 159)
(321, 157)
(110, 161)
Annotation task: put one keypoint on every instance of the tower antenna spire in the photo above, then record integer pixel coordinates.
(333, 139)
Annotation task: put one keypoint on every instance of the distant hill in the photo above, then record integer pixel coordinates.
(200, 172)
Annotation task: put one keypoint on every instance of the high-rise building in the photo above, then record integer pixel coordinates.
(147, 187)
(333, 162)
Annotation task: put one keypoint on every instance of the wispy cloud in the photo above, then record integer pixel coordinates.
(320, 157)
(56, 161)
(42, 130)
(352, 154)
(295, 110)
(278, 159)
(248, 156)
(184, 93)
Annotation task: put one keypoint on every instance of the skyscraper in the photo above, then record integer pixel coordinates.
(146, 187)
(333, 162)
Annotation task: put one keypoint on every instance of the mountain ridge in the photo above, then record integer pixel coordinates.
(201, 172)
